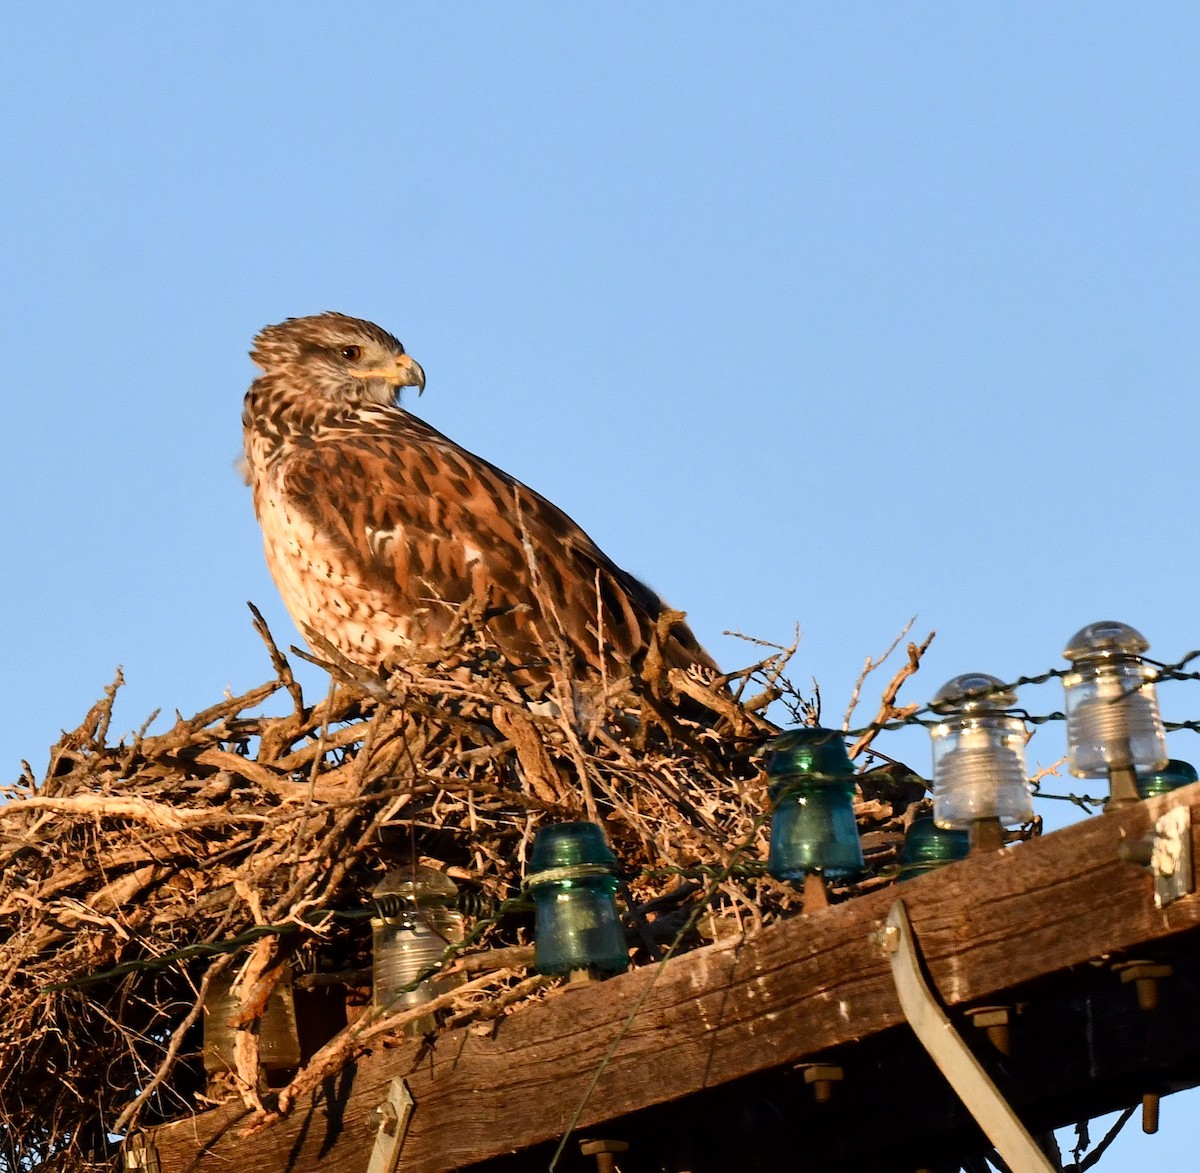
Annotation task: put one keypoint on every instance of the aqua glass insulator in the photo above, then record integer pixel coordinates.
(978, 755)
(418, 922)
(928, 847)
(809, 751)
(278, 1039)
(1167, 778)
(810, 780)
(573, 881)
(1112, 709)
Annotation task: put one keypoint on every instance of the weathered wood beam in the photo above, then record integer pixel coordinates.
(986, 927)
(1079, 1047)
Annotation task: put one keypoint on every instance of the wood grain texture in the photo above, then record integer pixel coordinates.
(986, 927)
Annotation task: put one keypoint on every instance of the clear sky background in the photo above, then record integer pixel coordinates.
(832, 314)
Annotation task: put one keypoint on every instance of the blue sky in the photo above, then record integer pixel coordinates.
(830, 314)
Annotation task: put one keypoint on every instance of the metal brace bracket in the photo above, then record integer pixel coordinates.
(953, 1057)
(394, 1114)
(1171, 856)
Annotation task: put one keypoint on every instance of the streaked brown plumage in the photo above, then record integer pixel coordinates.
(377, 527)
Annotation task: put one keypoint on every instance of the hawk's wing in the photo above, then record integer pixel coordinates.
(424, 525)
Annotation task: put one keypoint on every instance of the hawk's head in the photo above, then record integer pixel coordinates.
(338, 359)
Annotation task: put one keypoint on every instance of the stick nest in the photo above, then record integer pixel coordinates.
(135, 873)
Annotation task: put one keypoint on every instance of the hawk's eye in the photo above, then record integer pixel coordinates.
(353, 353)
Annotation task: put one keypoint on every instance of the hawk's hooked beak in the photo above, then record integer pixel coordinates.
(406, 372)
(409, 373)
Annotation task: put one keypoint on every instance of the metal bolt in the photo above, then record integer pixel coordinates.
(995, 1020)
(822, 1077)
(816, 894)
(1122, 789)
(1150, 1113)
(1139, 851)
(986, 835)
(384, 1117)
(1145, 976)
(603, 1151)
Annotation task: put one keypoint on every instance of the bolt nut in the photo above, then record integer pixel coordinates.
(822, 1077)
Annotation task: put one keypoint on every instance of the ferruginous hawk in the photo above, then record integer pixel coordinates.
(377, 528)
